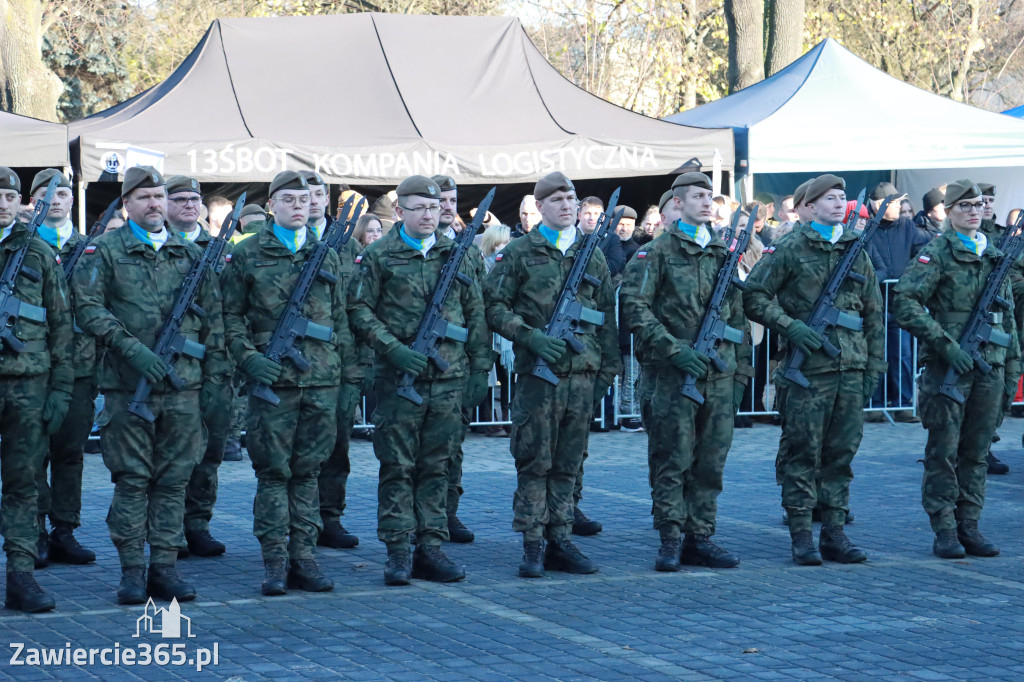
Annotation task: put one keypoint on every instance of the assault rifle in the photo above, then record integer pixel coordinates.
(433, 327)
(171, 343)
(713, 329)
(12, 307)
(292, 326)
(98, 228)
(979, 332)
(826, 315)
(569, 312)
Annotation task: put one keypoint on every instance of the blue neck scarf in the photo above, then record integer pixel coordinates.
(977, 244)
(697, 233)
(292, 239)
(560, 240)
(421, 245)
(154, 239)
(829, 233)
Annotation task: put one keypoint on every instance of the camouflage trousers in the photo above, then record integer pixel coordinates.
(287, 444)
(823, 426)
(150, 465)
(577, 488)
(201, 492)
(686, 450)
(334, 473)
(959, 436)
(60, 493)
(455, 489)
(780, 458)
(549, 433)
(413, 445)
(24, 446)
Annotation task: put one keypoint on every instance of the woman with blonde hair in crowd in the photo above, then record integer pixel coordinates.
(650, 227)
(368, 229)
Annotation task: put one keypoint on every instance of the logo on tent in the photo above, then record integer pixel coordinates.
(112, 162)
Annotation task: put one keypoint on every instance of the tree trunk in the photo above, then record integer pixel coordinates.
(27, 86)
(785, 34)
(745, 22)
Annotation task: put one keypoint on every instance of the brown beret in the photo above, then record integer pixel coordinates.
(140, 176)
(551, 183)
(9, 179)
(628, 212)
(961, 189)
(800, 192)
(665, 198)
(822, 184)
(288, 179)
(987, 189)
(43, 177)
(252, 209)
(418, 186)
(692, 178)
(312, 177)
(445, 183)
(182, 183)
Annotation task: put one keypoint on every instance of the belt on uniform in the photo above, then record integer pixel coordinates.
(963, 318)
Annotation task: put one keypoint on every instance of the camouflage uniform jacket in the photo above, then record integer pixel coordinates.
(947, 279)
(390, 293)
(258, 282)
(665, 292)
(796, 271)
(204, 239)
(995, 232)
(49, 343)
(522, 290)
(83, 352)
(124, 289)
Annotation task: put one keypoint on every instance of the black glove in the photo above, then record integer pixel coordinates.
(407, 360)
(261, 369)
(547, 347)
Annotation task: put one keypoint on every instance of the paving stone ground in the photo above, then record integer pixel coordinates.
(903, 615)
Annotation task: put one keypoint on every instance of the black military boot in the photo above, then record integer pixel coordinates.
(397, 570)
(165, 583)
(457, 531)
(668, 555)
(304, 574)
(64, 548)
(947, 546)
(24, 594)
(429, 562)
(273, 578)
(201, 543)
(562, 555)
(533, 562)
(973, 541)
(835, 546)
(42, 548)
(581, 525)
(698, 550)
(804, 551)
(132, 589)
(995, 465)
(335, 536)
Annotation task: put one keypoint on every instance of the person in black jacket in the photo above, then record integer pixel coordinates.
(930, 217)
(589, 212)
(629, 401)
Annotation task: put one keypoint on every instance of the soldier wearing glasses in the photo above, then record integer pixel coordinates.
(934, 299)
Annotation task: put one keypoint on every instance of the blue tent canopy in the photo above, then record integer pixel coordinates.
(1016, 111)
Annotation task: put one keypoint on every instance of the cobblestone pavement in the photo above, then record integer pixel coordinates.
(903, 615)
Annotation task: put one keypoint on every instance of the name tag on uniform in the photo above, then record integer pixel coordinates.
(537, 261)
(263, 263)
(397, 261)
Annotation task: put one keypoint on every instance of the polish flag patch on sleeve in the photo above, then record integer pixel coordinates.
(641, 254)
(227, 258)
(770, 249)
(91, 248)
(359, 258)
(924, 258)
(498, 257)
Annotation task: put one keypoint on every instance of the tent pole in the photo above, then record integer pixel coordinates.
(81, 204)
(716, 173)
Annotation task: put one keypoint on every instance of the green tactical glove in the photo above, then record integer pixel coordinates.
(959, 359)
(738, 389)
(690, 361)
(212, 394)
(348, 396)
(144, 361)
(476, 389)
(1010, 379)
(55, 409)
(261, 369)
(870, 386)
(601, 386)
(803, 337)
(545, 346)
(407, 360)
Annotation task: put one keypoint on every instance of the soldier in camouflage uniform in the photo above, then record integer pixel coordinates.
(934, 299)
(387, 300)
(35, 393)
(333, 477)
(184, 197)
(665, 291)
(550, 423)
(63, 502)
(290, 441)
(457, 531)
(125, 287)
(823, 423)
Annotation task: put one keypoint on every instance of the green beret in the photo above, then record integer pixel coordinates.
(445, 183)
(987, 189)
(665, 198)
(628, 212)
(288, 180)
(820, 185)
(419, 186)
(692, 178)
(959, 190)
(140, 176)
(43, 177)
(182, 183)
(9, 179)
(252, 209)
(799, 193)
(551, 183)
(312, 177)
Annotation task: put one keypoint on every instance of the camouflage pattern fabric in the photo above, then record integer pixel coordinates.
(60, 497)
(994, 233)
(83, 351)
(201, 491)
